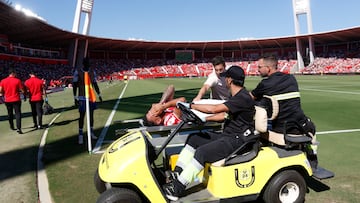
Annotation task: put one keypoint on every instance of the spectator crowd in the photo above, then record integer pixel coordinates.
(54, 74)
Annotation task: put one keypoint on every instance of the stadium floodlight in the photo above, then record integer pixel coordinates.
(87, 5)
(17, 7)
(27, 12)
(302, 7)
(83, 6)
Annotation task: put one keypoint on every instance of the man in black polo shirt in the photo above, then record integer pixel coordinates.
(284, 88)
(208, 147)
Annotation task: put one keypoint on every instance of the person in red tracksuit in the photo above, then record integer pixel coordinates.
(36, 90)
(10, 88)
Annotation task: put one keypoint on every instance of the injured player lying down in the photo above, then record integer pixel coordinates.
(165, 111)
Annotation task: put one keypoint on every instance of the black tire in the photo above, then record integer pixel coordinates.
(287, 186)
(119, 195)
(99, 184)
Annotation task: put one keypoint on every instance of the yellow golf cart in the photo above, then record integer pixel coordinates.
(133, 170)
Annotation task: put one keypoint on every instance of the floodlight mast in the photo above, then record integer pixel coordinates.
(83, 6)
(86, 7)
(303, 7)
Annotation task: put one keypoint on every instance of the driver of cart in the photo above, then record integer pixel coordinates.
(208, 147)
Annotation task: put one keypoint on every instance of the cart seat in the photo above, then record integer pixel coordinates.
(246, 152)
(262, 118)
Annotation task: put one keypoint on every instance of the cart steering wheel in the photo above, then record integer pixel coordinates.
(188, 115)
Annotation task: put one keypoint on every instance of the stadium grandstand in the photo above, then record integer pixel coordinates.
(50, 52)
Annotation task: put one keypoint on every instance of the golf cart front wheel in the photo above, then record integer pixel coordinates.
(99, 184)
(119, 195)
(287, 186)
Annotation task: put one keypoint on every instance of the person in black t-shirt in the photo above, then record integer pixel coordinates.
(208, 147)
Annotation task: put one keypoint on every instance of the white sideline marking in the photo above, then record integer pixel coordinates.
(318, 133)
(100, 152)
(42, 180)
(330, 91)
(338, 131)
(108, 122)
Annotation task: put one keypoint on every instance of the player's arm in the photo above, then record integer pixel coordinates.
(168, 94)
(173, 102)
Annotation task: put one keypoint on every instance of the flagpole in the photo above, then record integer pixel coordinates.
(88, 127)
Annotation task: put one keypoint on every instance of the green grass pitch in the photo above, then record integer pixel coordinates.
(333, 103)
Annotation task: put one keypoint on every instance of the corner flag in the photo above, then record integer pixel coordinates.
(89, 90)
(89, 97)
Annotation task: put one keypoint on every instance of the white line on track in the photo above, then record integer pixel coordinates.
(338, 131)
(108, 122)
(42, 180)
(331, 91)
(317, 133)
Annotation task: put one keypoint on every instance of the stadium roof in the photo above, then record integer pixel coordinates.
(31, 31)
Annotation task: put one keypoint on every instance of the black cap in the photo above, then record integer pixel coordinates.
(234, 72)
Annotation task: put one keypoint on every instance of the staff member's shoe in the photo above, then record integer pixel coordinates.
(80, 139)
(93, 136)
(12, 127)
(174, 190)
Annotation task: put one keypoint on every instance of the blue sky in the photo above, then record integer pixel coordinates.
(197, 20)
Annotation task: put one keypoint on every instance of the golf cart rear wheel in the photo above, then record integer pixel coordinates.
(99, 184)
(119, 195)
(287, 186)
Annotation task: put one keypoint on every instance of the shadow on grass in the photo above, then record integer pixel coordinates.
(28, 114)
(23, 115)
(22, 160)
(12, 163)
(63, 149)
(316, 185)
(65, 122)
